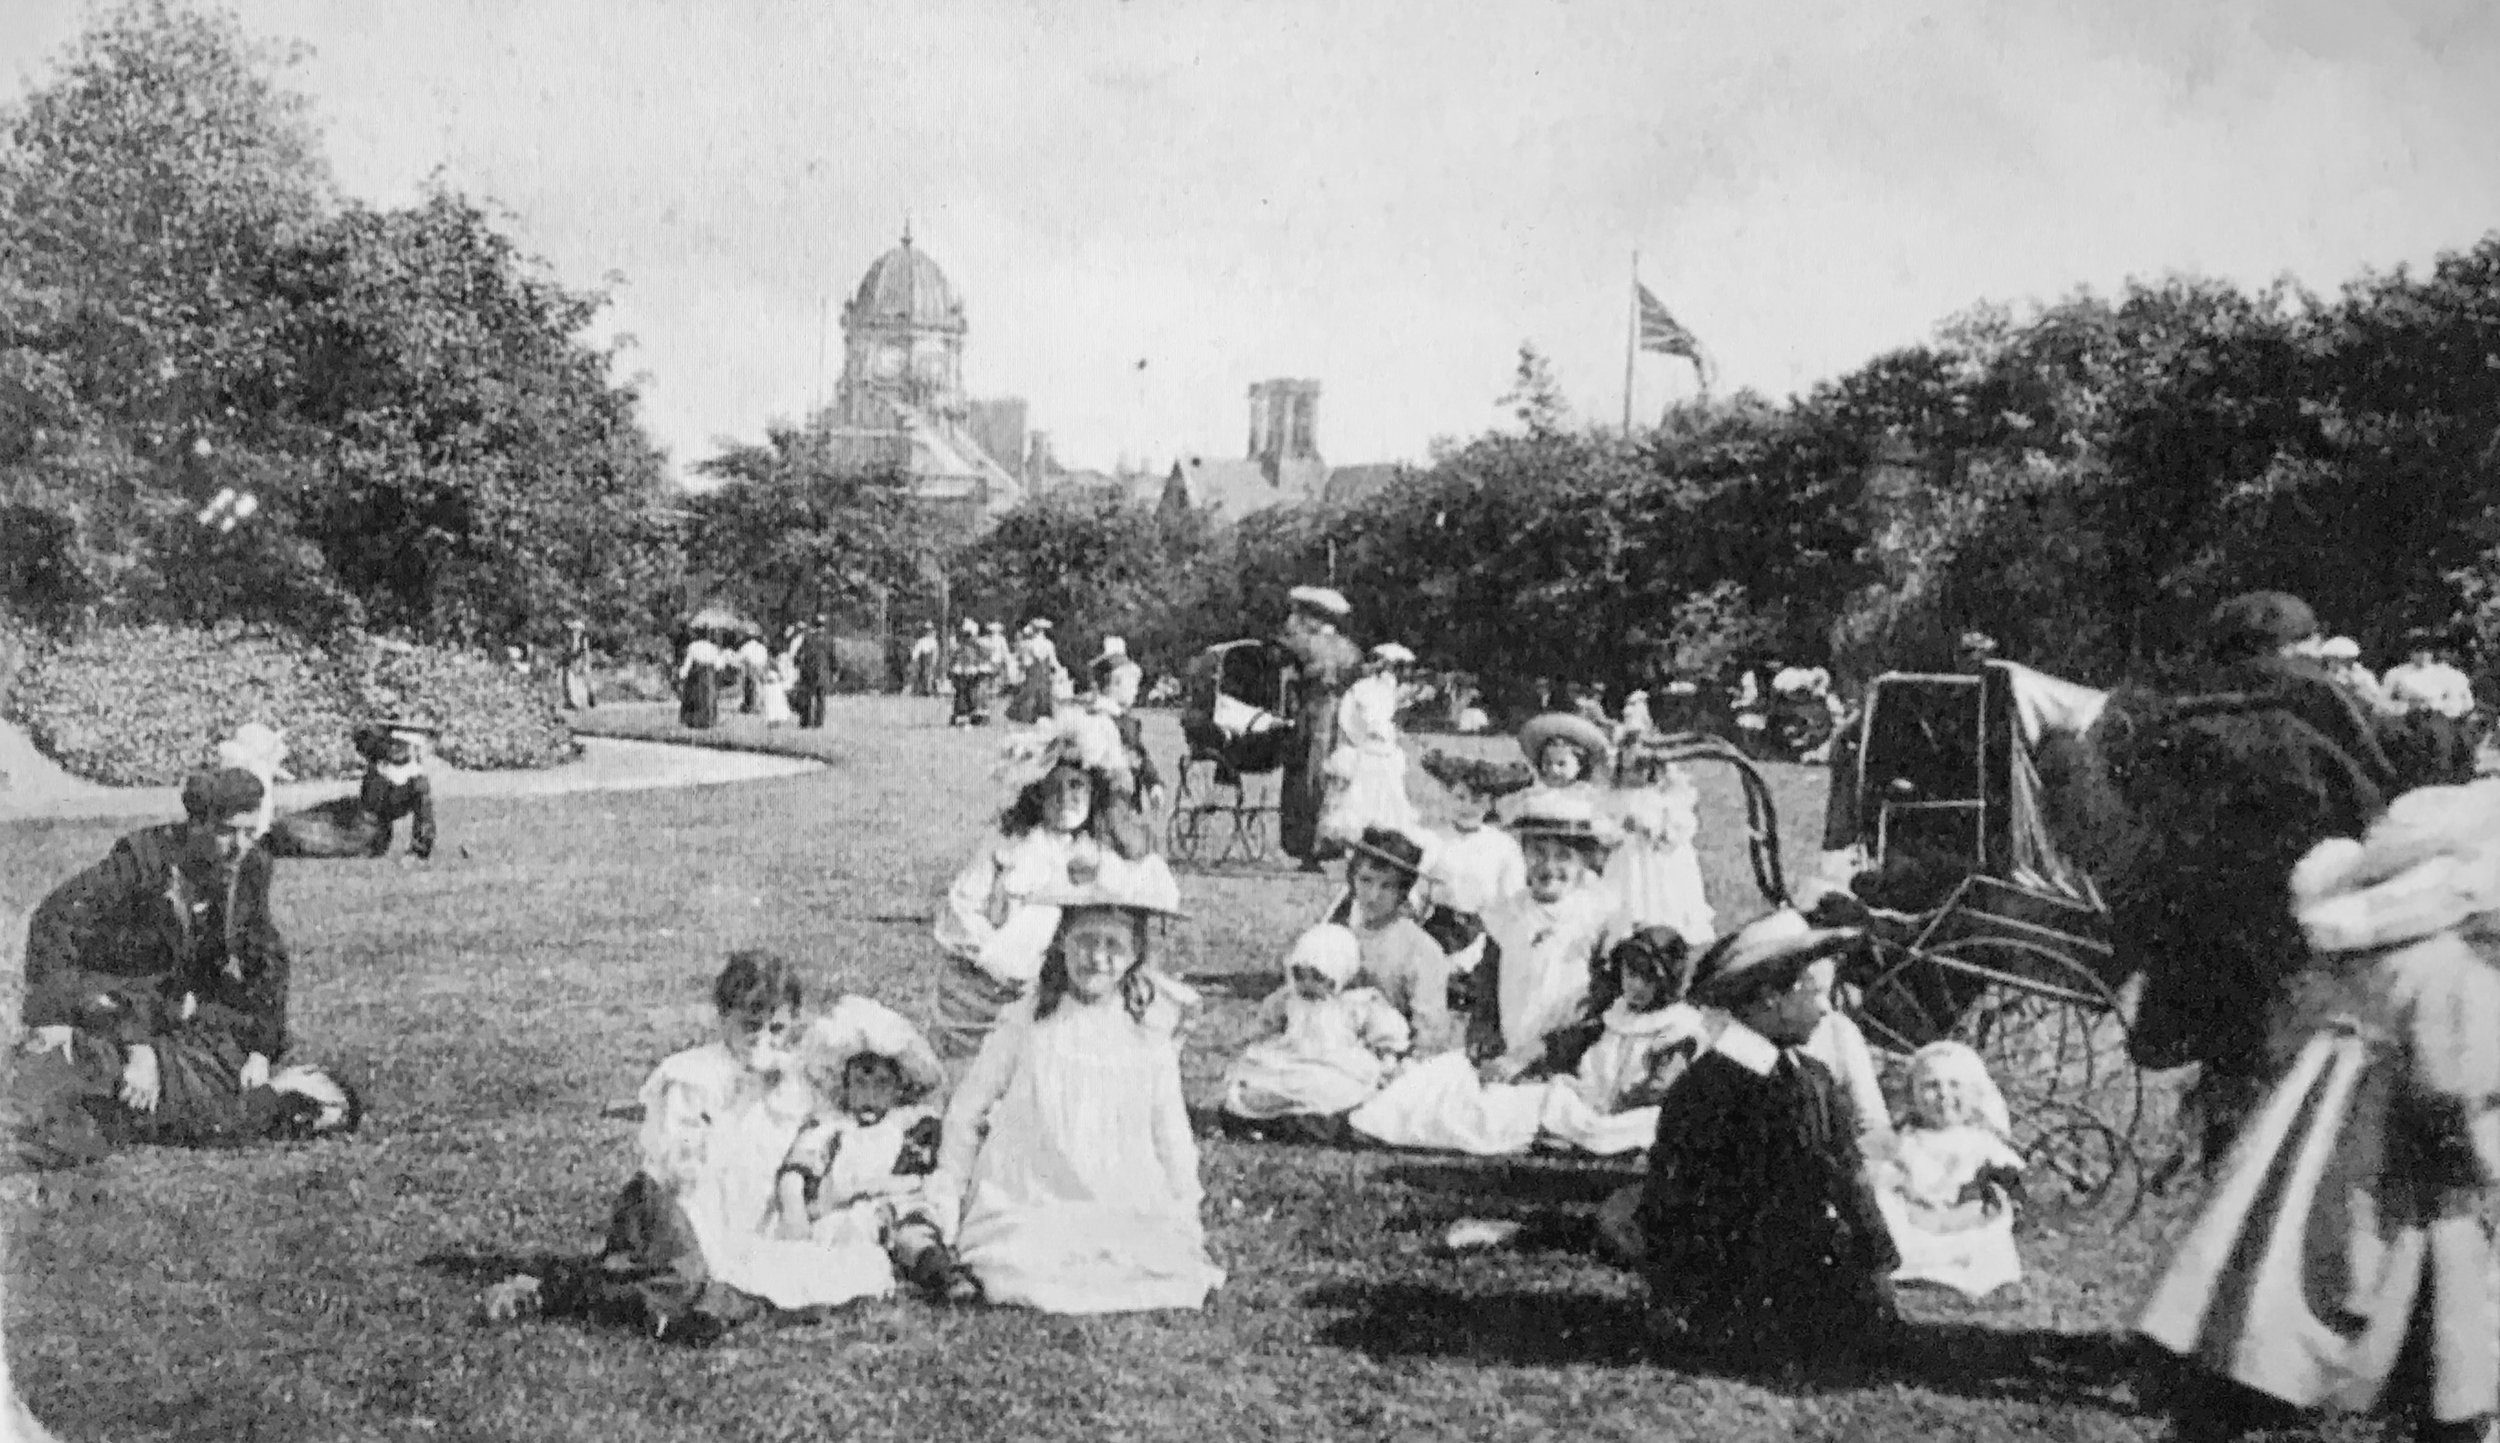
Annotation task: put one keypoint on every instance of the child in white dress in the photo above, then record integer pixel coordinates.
(1656, 874)
(852, 1180)
(1067, 1180)
(693, 1242)
(1367, 769)
(1949, 1190)
(1329, 1044)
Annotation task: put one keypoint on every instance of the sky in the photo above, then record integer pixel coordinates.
(1387, 196)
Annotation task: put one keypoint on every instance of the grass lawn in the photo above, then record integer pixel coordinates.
(491, 1003)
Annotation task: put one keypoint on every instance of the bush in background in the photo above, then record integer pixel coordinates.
(143, 706)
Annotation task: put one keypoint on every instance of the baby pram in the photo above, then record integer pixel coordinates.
(1233, 716)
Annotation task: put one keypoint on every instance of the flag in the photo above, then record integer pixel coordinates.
(1664, 334)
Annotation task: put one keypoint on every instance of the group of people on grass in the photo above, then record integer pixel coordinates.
(1505, 987)
(784, 687)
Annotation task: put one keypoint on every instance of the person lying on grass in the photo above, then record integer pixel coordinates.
(1639, 1036)
(1327, 1047)
(156, 996)
(362, 823)
(1068, 1175)
(1759, 1235)
(694, 1243)
(853, 1179)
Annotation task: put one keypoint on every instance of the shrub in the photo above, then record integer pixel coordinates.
(493, 718)
(142, 706)
(860, 663)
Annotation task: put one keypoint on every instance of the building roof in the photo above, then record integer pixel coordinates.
(904, 288)
(1235, 489)
(1352, 485)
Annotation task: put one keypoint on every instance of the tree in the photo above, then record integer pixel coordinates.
(791, 532)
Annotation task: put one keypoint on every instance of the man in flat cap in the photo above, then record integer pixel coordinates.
(156, 981)
(1324, 663)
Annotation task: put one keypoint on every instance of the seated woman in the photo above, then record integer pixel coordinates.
(1325, 1047)
(1074, 810)
(361, 825)
(156, 994)
(1068, 1176)
(1400, 956)
(1949, 1189)
(1529, 993)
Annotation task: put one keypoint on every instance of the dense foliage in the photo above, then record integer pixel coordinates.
(2082, 481)
(225, 395)
(143, 706)
(790, 532)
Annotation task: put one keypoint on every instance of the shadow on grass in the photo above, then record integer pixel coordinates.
(2101, 1371)
(1238, 986)
(1533, 1183)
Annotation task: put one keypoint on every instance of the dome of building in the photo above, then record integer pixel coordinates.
(904, 288)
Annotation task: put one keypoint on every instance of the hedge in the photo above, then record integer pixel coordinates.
(142, 706)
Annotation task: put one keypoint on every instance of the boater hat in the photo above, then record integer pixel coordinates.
(1390, 847)
(1565, 818)
(1144, 885)
(1763, 956)
(1579, 732)
(1393, 653)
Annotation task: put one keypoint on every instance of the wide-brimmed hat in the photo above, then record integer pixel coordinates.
(859, 1027)
(1067, 738)
(2340, 648)
(1763, 956)
(1392, 652)
(2256, 622)
(1583, 735)
(1114, 648)
(1039, 623)
(1324, 600)
(970, 627)
(1144, 884)
(409, 726)
(1330, 949)
(1559, 816)
(1390, 847)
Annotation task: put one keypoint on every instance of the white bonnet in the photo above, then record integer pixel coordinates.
(1328, 949)
(1959, 1061)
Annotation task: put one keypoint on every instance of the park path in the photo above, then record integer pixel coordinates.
(33, 785)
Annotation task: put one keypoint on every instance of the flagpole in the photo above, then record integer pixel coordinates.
(1631, 335)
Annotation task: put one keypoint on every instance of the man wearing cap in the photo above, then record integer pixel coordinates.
(1323, 662)
(158, 981)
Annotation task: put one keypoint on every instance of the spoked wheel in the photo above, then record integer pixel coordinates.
(1251, 821)
(1185, 831)
(2053, 1037)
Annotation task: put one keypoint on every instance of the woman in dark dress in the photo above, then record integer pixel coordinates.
(156, 996)
(361, 825)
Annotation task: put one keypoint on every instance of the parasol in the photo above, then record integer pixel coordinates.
(719, 617)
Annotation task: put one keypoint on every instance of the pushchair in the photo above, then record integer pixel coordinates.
(1233, 717)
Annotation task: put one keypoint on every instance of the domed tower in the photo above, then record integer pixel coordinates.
(902, 343)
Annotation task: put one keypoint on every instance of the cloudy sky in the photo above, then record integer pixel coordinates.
(1388, 195)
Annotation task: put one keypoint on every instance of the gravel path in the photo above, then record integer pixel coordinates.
(32, 785)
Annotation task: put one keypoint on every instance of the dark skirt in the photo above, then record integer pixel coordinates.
(339, 828)
(698, 700)
(69, 1111)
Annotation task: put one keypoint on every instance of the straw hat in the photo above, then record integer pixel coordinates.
(1583, 735)
(1393, 653)
(1144, 885)
(1390, 847)
(1323, 600)
(2341, 648)
(1763, 956)
(1562, 817)
(860, 1027)
(1067, 738)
